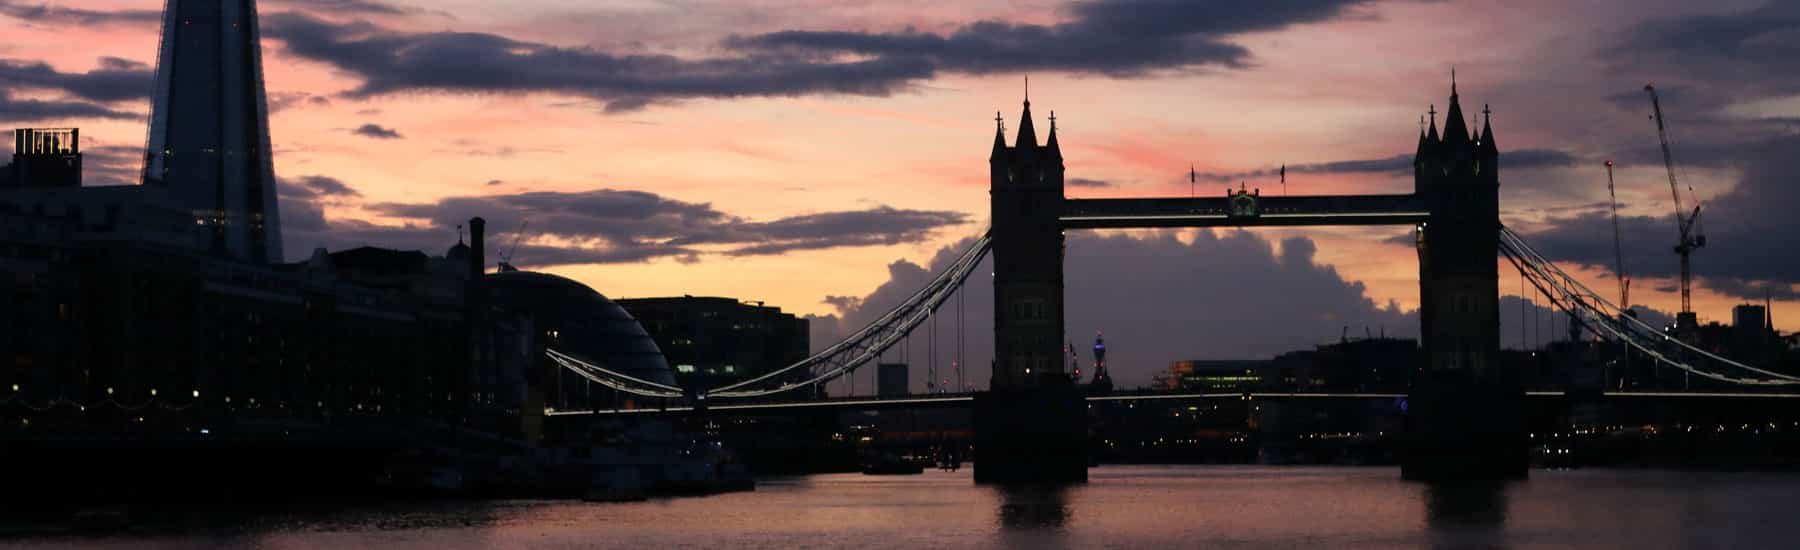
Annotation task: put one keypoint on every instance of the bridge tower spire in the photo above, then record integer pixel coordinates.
(1027, 133)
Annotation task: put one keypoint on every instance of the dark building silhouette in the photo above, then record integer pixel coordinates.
(209, 127)
(892, 380)
(107, 321)
(712, 342)
(44, 158)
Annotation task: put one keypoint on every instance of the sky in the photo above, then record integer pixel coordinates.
(821, 155)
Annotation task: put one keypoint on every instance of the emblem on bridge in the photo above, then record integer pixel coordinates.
(1242, 203)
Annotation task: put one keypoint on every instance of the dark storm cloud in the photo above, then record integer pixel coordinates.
(389, 61)
(1743, 53)
(33, 110)
(1117, 38)
(376, 131)
(1397, 164)
(1226, 295)
(49, 13)
(607, 226)
(1702, 64)
(115, 80)
(1750, 230)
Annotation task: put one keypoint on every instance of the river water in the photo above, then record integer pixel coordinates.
(1121, 507)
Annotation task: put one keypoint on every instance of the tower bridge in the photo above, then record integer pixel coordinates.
(1465, 417)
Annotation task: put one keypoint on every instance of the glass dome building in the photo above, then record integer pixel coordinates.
(577, 320)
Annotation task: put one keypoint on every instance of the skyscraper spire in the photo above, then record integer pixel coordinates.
(209, 126)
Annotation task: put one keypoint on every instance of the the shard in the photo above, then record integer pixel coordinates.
(209, 126)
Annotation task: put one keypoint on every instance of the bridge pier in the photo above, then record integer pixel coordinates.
(1463, 429)
(1037, 436)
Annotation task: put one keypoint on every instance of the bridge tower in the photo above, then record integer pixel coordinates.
(1031, 425)
(1464, 414)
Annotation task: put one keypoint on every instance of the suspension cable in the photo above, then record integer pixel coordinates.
(1606, 318)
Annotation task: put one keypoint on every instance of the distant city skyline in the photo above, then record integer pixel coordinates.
(793, 152)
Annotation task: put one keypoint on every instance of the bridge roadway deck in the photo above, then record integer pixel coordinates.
(961, 400)
(1270, 211)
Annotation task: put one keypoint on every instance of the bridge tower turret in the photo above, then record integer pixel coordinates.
(1464, 417)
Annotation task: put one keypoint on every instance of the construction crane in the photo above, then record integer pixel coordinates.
(506, 260)
(1686, 222)
(1618, 244)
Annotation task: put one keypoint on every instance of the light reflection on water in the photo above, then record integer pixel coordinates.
(1122, 507)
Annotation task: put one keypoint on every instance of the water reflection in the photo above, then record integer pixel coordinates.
(1466, 515)
(1033, 507)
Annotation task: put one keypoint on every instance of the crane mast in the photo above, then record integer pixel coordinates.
(1618, 244)
(1685, 222)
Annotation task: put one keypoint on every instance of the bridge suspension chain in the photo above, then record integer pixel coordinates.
(1608, 320)
(870, 341)
(612, 379)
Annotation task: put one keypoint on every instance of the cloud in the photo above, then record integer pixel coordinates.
(1749, 230)
(390, 61)
(1397, 164)
(1115, 38)
(362, 7)
(376, 131)
(496, 182)
(34, 110)
(1089, 183)
(115, 80)
(474, 148)
(610, 226)
(1227, 294)
(111, 164)
(47, 13)
(316, 186)
(1746, 53)
(282, 101)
